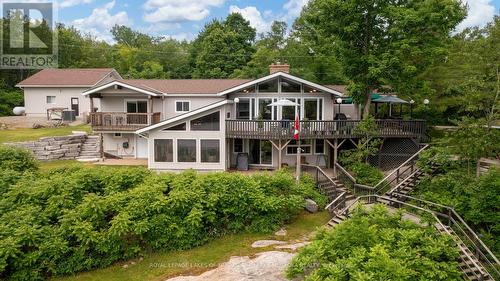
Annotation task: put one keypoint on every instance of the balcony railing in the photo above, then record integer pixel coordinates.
(268, 129)
(120, 121)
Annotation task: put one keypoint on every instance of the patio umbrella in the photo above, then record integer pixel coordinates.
(390, 100)
(283, 102)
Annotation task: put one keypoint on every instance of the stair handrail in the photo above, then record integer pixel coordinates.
(375, 197)
(318, 169)
(461, 221)
(475, 265)
(335, 200)
(346, 173)
(398, 186)
(397, 170)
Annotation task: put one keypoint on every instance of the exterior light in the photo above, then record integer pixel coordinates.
(426, 101)
(412, 101)
(236, 100)
(339, 100)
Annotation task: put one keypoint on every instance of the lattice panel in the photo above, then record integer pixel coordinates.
(393, 153)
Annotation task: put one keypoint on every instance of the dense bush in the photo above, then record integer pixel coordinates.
(17, 159)
(377, 245)
(78, 218)
(366, 174)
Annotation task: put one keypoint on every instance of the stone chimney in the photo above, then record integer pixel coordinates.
(277, 67)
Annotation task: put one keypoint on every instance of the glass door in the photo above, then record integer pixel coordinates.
(260, 152)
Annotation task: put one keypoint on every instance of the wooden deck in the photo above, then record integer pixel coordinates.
(264, 129)
(121, 121)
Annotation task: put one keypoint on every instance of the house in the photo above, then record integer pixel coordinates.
(62, 88)
(206, 123)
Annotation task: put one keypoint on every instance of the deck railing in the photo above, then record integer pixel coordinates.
(120, 121)
(284, 129)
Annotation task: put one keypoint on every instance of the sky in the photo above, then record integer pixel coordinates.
(183, 19)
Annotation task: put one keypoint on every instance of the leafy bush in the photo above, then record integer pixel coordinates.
(17, 159)
(78, 218)
(377, 245)
(366, 174)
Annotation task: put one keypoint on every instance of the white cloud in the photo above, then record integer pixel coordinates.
(293, 8)
(178, 11)
(101, 21)
(71, 3)
(253, 15)
(480, 12)
(181, 36)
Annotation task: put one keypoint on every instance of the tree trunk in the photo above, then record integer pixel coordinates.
(367, 103)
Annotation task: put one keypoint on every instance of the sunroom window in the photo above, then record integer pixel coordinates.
(210, 122)
(270, 86)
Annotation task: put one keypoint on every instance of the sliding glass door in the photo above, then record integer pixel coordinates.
(260, 152)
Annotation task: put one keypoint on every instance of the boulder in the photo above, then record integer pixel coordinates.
(311, 206)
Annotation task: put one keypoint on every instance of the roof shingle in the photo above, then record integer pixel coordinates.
(66, 77)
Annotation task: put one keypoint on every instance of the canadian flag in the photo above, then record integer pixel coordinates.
(297, 127)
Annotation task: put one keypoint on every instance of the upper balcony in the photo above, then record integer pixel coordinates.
(267, 129)
(121, 121)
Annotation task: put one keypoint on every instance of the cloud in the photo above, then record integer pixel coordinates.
(293, 8)
(253, 15)
(101, 21)
(71, 3)
(178, 11)
(181, 36)
(480, 12)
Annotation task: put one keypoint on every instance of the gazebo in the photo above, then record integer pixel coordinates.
(388, 99)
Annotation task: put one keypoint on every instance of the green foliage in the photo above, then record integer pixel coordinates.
(223, 47)
(17, 159)
(377, 245)
(368, 144)
(384, 42)
(78, 218)
(366, 174)
(9, 98)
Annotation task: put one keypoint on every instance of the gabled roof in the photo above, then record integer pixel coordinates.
(183, 116)
(70, 77)
(281, 74)
(123, 83)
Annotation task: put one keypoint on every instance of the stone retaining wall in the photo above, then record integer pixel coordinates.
(55, 148)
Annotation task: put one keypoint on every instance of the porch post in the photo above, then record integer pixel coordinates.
(335, 152)
(279, 155)
(91, 104)
(298, 161)
(150, 110)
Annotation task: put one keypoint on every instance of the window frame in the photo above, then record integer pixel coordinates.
(315, 147)
(182, 101)
(195, 149)
(201, 150)
(47, 99)
(219, 126)
(302, 146)
(126, 101)
(154, 150)
(242, 146)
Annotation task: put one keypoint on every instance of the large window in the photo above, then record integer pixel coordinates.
(243, 109)
(209, 122)
(51, 99)
(270, 86)
(319, 148)
(164, 150)
(305, 145)
(186, 150)
(265, 111)
(137, 106)
(182, 106)
(288, 112)
(210, 151)
(288, 86)
(313, 109)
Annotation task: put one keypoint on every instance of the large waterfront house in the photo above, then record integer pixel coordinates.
(206, 123)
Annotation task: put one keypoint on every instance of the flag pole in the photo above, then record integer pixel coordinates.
(296, 136)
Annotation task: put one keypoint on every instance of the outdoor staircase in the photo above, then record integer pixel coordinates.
(90, 150)
(469, 264)
(331, 189)
(408, 184)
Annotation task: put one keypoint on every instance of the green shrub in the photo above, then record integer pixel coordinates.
(17, 159)
(366, 174)
(78, 218)
(377, 245)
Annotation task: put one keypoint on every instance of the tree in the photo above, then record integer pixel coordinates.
(126, 36)
(384, 42)
(223, 47)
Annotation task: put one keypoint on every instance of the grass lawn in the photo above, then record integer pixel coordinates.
(161, 265)
(27, 134)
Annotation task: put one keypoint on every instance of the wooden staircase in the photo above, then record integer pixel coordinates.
(468, 262)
